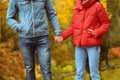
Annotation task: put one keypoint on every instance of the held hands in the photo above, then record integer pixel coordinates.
(59, 39)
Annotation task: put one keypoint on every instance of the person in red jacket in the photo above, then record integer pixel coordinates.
(89, 24)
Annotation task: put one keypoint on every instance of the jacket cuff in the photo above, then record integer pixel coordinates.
(58, 33)
(96, 34)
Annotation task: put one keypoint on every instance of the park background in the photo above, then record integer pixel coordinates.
(63, 62)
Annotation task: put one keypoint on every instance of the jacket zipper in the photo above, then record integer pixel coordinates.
(33, 17)
(82, 26)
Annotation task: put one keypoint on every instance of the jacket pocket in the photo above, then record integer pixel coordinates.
(40, 0)
(20, 28)
(24, 5)
(23, 2)
(40, 4)
(89, 34)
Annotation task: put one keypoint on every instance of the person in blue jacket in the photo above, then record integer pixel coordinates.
(32, 27)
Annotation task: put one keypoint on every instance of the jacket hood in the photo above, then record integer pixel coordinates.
(80, 5)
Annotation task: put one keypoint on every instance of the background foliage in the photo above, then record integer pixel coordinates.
(63, 64)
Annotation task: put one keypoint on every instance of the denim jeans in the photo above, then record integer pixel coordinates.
(93, 54)
(41, 45)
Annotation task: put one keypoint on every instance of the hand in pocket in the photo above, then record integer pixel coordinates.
(90, 32)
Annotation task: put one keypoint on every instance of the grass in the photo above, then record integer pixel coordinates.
(111, 73)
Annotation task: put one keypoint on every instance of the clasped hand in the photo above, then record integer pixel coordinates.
(59, 39)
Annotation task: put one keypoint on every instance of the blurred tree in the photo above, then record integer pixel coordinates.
(6, 32)
(64, 10)
(104, 47)
(64, 14)
(112, 38)
(114, 9)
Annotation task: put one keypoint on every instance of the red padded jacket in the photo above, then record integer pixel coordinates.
(88, 15)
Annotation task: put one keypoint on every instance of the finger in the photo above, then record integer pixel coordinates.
(90, 30)
(55, 39)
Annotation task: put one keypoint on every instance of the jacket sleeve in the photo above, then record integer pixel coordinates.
(68, 32)
(52, 17)
(104, 20)
(11, 16)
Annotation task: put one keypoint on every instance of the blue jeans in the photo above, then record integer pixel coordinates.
(41, 45)
(93, 54)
